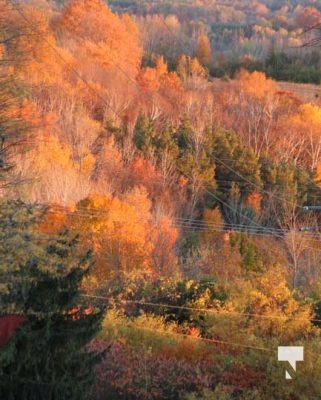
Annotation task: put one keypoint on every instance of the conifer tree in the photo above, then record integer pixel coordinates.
(144, 133)
(194, 162)
(40, 278)
(236, 165)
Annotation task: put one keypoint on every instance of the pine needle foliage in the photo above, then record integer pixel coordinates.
(40, 278)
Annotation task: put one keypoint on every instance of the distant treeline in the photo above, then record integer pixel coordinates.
(278, 65)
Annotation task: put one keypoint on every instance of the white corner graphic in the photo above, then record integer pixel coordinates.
(292, 354)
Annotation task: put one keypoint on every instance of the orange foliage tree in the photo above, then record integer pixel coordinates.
(101, 35)
(119, 231)
(124, 235)
(164, 236)
(305, 127)
(251, 110)
(107, 53)
(204, 51)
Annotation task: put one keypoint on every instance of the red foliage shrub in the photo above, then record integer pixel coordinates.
(132, 374)
(243, 377)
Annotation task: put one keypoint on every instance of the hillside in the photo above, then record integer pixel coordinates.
(265, 35)
(155, 241)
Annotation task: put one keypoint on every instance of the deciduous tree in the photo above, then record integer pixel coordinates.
(204, 51)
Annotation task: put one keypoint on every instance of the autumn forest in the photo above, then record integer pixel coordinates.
(160, 198)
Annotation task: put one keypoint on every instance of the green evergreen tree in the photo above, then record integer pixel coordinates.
(273, 63)
(194, 162)
(151, 141)
(252, 261)
(236, 165)
(165, 142)
(40, 278)
(144, 134)
(287, 187)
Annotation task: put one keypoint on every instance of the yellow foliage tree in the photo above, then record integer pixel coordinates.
(204, 51)
(281, 314)
(118, 230)
(305, 127)
(52, 174)
(256, 84)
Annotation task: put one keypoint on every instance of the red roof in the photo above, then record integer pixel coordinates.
(8, 325)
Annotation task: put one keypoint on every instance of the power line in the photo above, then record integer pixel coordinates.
(186, 223)
(223, 163)
(87, 84)
(220, 313)
(252, 183)
(206, 340)
(159, 180)
(79, 76)
(176, 334)
(178, 221)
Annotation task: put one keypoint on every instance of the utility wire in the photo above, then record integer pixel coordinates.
(187, 223)
(178, 221)
(206, 340)
(62, 59)
(87, 84)
(250, 182)
(16, 7)
(220, 313)
(227, 166)
(116, 113)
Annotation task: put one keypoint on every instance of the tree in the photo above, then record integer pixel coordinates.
(118, 231)
(164, 237)
(307, 18)
(204, 51)
(236, 164)
(157, 31)
(253, 107)
(190, 71)
(14, 129)
(40, 278)
(144, 134)
(102, 35)
(286, 188)
(217, 254)
(271, 295)
(305, 127)
(194, 161)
